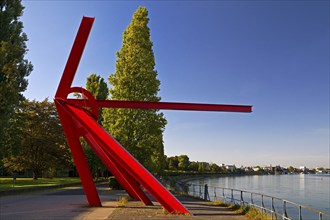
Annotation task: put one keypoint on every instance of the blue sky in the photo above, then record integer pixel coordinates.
(273, 55)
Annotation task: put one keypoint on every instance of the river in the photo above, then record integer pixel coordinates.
(308, 190)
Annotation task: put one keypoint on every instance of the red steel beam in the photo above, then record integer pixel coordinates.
(74, 57)
(72, 134)
(122, 156)
(125, 180)
(166, 105)
(78, 121)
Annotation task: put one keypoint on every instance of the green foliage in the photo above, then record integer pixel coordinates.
(215, 168)
(193, 166)
(40, 144)
(183, 162)
(113, 183)
(172, 162)
(13, 67)
(290, 169)
(203, 166)
(95, 84)
(94, 162)
(139, 131)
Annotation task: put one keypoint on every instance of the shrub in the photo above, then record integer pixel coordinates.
(113, 184)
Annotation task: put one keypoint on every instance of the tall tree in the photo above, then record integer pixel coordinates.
(13, 67)
(139, 131)
(40, 143)
(96, 85)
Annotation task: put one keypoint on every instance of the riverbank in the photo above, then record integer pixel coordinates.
(183, 178)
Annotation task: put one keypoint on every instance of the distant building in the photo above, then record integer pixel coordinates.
(230, 167)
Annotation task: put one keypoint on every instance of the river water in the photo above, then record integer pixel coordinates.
(308, 190)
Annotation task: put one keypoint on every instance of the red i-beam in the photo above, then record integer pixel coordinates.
(79, 120)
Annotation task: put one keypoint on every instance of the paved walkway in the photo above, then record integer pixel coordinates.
(70, 203)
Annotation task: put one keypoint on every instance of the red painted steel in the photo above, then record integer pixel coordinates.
(72, 134)
(71, 131)
(79, 119)
(123, 157)
(125, 180)
(74, 57)
(167, 105)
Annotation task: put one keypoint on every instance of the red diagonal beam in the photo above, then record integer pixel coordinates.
(74, 57)
(125, 180)
(123, 157)
(166, 105)
(72, 135)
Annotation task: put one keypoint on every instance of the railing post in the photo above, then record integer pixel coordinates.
(300, 217)
(232, 196)
(262, 203)
(242, 200)
(285, 215)
(206, 192)
(215, 194)
(223, 195)
(252, 199)
(272, 208)
(193, 190)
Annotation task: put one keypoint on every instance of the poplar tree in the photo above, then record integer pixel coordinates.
(135, 78)
(13, 67)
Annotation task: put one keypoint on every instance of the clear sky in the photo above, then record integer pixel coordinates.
(273, 55)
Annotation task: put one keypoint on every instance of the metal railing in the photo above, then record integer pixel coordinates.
(276, 208)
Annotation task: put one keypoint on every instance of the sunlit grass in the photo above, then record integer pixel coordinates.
(8, 183)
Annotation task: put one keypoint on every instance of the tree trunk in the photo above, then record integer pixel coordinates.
(35, 175)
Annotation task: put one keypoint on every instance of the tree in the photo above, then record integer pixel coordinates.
(215, 168)
(135, 78)
(13, 67)
(291, 169)
(95, 84)
(193, 166)
(41, 144)
(183, 162)
(173, 163)
(203, 167)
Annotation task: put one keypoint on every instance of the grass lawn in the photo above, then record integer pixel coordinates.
(7, 183)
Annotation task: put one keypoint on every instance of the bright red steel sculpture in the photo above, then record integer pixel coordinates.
(79, 120)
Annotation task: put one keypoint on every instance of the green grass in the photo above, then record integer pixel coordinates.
(250, 212)
(7, 183)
